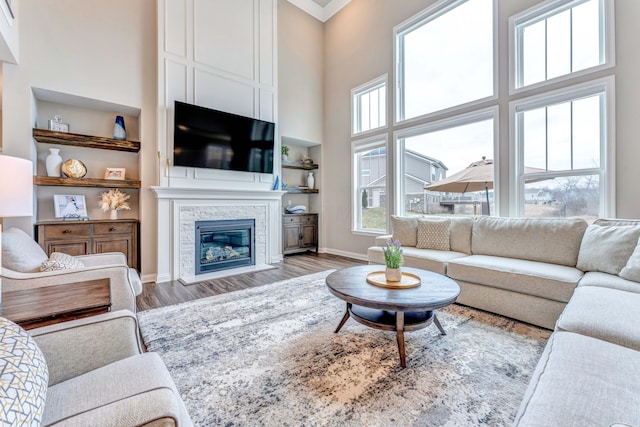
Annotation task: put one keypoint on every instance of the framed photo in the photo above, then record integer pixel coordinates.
(114, 173)
(70, 206)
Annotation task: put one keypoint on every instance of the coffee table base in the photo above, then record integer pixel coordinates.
(398, 321)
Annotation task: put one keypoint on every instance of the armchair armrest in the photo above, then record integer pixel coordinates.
(79, 346)
(107, 258)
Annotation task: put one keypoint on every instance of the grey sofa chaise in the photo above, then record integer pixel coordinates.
(582, 281)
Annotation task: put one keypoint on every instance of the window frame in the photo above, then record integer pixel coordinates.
(542, 11)
(606, 171)
(381, 81)
(446, 123)
(358, 146)
(430, 13)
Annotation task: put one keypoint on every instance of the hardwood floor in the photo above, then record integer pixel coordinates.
(168, 293)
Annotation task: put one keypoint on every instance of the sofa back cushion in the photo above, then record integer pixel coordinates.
(24, 377)
(556, 241)
(405, 230)
(20, 252)
(607, 248)
(460, 234)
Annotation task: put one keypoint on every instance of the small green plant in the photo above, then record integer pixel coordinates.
(284, 150)
(393, 254)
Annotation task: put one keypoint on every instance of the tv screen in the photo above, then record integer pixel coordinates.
(206, 138)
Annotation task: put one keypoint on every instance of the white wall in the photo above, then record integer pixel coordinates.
(359, 47)
(93, 49)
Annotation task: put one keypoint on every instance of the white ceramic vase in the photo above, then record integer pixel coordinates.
(114, 214)
(393, 274)
(53, 162)
(310, 181)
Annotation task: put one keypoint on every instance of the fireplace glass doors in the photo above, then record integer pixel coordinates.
(224, 244)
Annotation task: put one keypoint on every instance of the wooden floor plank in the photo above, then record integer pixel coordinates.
(162, 294)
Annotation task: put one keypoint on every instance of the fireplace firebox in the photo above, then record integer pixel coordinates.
(224, 244)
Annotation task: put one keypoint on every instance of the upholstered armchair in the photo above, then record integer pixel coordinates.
(23, 259)
(86, 372)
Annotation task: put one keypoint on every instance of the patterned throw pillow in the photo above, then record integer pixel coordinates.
(24, 376)
(434, 234)
(60, 261)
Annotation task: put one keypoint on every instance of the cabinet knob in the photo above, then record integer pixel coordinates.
(112, 229)
(66, 231)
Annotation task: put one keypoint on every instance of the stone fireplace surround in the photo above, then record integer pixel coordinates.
(180, 208)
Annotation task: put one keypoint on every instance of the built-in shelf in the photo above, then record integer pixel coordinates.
(88, 141)
(301, 190)
(298, 165)
(86, 182)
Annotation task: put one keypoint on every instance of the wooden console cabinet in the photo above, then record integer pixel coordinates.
(299, 232)
(91, 237)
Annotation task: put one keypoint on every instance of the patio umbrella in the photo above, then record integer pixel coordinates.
(477, 176)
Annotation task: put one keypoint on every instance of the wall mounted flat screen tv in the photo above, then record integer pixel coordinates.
(207, 138)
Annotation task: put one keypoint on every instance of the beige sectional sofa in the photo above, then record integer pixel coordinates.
(581, 280)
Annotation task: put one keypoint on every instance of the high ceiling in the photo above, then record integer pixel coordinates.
(322, 10)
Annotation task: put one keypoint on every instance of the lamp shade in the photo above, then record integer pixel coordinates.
(16, 187)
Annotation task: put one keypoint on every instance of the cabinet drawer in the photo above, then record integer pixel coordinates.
(113, 228)
(291, 219)
(67, 230)
(305, 219)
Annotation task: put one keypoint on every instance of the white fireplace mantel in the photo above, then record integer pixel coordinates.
(179, 207)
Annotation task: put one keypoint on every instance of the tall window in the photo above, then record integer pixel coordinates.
(370, 185)
(562, 144)
(560, 38)
(431, 154)
(370, 106)
(445, 57)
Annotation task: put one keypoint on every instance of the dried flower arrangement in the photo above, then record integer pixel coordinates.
(114, 199)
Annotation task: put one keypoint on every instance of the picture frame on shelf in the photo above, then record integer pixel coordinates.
(70, 206)
(114, 173)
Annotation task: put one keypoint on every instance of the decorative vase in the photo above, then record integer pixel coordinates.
(119, 131)
(285, 157)
(53, 162)
(393, 274)
(310, 181)
(114, 214)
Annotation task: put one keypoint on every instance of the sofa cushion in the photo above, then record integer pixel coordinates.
(426, 259)
(631, 270)
(606, 280)
(60, 261)
(551, 281)
(433, 233)
(131, 391)
(460, 234)
(23, 375)
(20, 252)
(580, 381)
(606, 314)
(555, 241)
(607, 248)
(405, 230)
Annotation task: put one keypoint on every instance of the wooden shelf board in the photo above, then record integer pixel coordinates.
(301, 191)
(86, 182)
(298, 165)
(78, 140)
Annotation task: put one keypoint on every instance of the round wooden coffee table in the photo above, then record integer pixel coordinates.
(400, 310)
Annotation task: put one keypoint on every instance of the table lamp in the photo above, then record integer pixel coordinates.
(16, 191)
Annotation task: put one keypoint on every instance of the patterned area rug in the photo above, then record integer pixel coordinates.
(267, 356)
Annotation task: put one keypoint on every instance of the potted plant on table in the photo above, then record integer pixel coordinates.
(285, 152)
(393, 260)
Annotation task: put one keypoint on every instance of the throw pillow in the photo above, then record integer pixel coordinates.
(60, 261)
(24, 376)
(405, 230)
(607, 248)
(632, 270)
(434, 234)
(20, 252)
